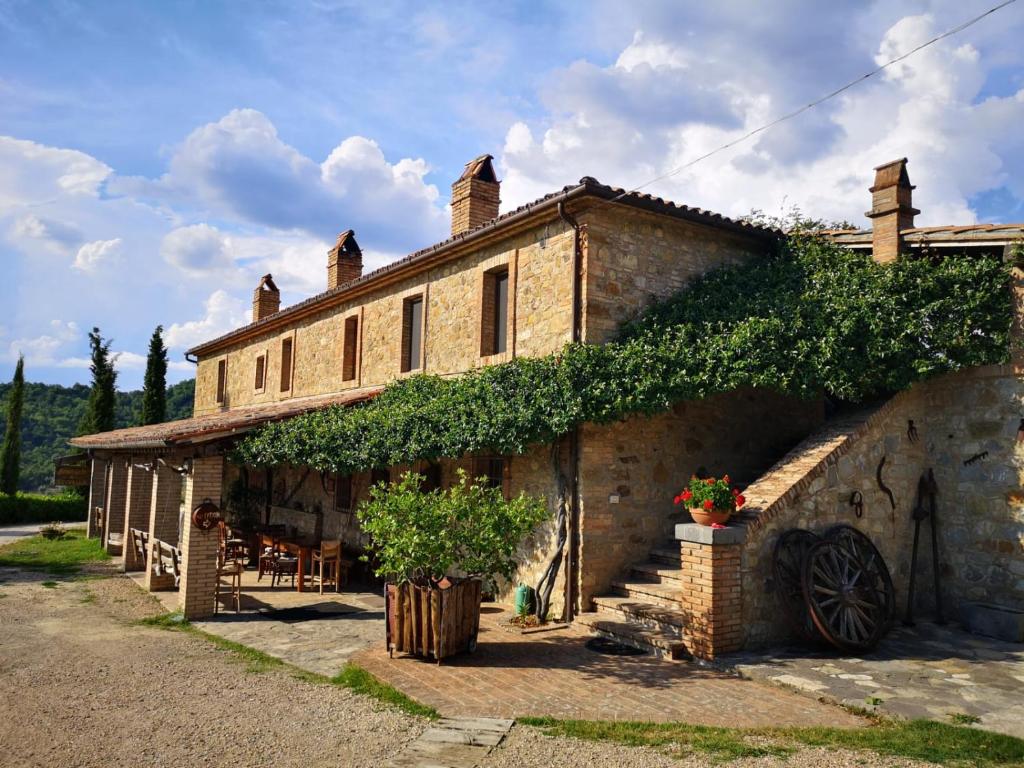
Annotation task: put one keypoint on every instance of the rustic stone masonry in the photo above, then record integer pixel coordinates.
(117, 495)
(712, 588)
(97, 493)
(136, 511)
(199, 548)
(165, 508)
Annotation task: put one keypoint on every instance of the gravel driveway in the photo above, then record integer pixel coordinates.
(81, 685)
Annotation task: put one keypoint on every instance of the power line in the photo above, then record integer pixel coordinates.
(811, 105)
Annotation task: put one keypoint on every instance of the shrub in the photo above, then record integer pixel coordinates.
(468, 530)
(53, 531)
(39, 508)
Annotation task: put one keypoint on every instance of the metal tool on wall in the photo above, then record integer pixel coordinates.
(927, 489)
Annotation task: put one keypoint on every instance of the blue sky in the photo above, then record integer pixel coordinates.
(156, 158)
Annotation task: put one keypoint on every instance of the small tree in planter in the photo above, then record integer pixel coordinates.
(436, 548)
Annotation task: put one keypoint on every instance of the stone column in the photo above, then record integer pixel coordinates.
(165, 502)
(712, 588)
(97, 495)
(199, 548)
(117, 494)
(136, 511)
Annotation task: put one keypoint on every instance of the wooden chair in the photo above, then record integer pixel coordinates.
(232, 569)
(329, 565)
(284, 565)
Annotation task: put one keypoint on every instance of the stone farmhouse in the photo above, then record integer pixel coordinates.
(571, 266)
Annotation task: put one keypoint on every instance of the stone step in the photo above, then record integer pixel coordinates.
(658, 572)
(670, 555)
(650, 592)
(643, 613)
(660, 643)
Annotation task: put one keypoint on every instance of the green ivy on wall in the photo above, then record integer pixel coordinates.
(813, 318)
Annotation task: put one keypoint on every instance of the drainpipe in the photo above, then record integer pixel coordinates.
(572, 578)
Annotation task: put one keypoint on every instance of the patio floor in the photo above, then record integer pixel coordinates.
(927, 671)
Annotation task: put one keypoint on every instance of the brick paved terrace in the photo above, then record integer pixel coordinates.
(552, 673)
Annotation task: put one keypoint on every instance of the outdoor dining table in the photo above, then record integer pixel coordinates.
(303, 548)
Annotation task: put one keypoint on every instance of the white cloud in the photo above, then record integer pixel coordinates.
(91, 255)
(35, 173)
(617, 122)
(45, 348)
(223, 313)
(198, 250)
(239, 168)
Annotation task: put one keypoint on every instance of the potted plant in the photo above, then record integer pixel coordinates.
(711, 501)
(436, 548)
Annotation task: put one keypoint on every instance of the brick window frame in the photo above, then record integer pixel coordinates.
(351, 348)
(222, 381)
(414, 333)
(260, 373)
(495, 306)
(287, 370)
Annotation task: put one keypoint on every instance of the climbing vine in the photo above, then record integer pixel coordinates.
(812, 318)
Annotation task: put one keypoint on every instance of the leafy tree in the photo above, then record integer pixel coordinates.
(154, 387)
(99, 411)
(10, 456)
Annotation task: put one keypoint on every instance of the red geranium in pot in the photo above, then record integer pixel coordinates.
(711, 500)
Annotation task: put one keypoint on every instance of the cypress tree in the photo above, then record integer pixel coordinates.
(10, 455)
(154, 387)
(99, 410)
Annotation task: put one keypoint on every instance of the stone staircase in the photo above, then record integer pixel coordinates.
(644, 607)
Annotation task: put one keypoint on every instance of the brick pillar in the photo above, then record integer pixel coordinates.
(165, 503)
(97, 495)
(117, 495)
(199, 548)
(712, 589)
(136, 512)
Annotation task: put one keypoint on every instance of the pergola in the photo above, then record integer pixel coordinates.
(151, 478)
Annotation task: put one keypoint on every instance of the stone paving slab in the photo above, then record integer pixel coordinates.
(453, 742)
(927, 671)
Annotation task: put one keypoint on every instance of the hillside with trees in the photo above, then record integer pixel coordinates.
(52, 414)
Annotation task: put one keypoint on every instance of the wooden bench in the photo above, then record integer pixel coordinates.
(166, 563)
(139, 549)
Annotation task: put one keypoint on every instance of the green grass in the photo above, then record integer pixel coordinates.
(60, 557)
(50, 584)
(353, 677)
(963, 718)
(941, 743)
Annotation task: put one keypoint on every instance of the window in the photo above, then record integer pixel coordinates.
(286, 365)
(348, 355)
(494, 313)
(412, 334)
(492, 469)
(222, 380)
(343, 493)
(261, 373)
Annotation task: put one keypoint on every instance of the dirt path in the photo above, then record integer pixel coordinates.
(82, 685)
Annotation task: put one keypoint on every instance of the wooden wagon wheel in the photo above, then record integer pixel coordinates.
(861, 546)
(787, 566)
(843, 603)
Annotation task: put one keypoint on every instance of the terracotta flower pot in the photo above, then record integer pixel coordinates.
(704, 517)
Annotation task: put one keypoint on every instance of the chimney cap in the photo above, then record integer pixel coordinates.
(480, 168)
(892, 174)
(346, 244)
(267, 284)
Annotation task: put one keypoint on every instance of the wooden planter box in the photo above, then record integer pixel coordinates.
(433, 622)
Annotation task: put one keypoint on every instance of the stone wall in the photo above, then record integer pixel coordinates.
(634, 258)
(966, 430)
(645, 461)
(539, 261)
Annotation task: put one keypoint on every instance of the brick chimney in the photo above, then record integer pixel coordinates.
(344, 260)
(891, 210)
(475, 196)
(266, 299)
